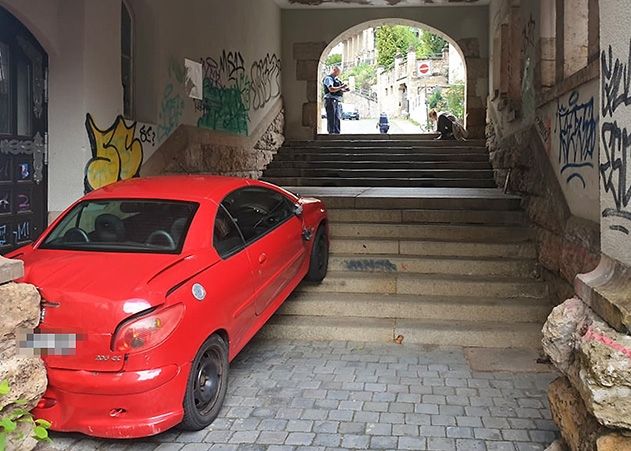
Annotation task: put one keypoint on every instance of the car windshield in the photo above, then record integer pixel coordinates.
(123, 225)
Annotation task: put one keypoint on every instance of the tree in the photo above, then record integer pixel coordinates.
(455, 100)
(393, 41)
(429, 44)
(365, 76)
(333, 59)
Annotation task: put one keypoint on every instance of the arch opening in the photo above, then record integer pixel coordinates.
(401, 91)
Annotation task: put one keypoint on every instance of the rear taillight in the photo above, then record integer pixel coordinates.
(147, 331)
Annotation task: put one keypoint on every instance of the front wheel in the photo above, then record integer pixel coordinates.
(319, 260)
(207, 385)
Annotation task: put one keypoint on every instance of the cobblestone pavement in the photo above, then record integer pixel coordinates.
(287, 395)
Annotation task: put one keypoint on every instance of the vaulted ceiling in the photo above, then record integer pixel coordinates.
(286, 4)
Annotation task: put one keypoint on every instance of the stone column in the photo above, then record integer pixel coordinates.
(307, 56)
(19, 310)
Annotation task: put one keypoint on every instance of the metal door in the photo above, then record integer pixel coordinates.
(23, 134)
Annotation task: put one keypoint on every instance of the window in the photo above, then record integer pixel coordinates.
(227, 239)
(132, 225)
(127, 62)
(257, 211)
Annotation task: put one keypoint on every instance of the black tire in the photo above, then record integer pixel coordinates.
(319, 260)
(207, 385)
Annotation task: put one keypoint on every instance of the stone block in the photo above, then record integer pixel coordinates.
(27, 380)
(308, 50)
(613, 442)
(10, 269)
(549, 249)
(595, 358)
(607, 290)
(560, 333)
(19, 309)
(576, 259)
(310, 114)
(312, 90)
(470, 47)
(307, 70)
(578, 428)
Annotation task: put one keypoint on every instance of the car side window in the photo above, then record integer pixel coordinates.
(257, 211)
(227, 239)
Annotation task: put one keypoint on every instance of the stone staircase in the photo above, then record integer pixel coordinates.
(438, 261)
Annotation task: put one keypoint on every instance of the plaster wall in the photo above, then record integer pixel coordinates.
(569, 128)
(168, 33)
(615, 127)
(467, 25)
(84, 76)
(82, 39)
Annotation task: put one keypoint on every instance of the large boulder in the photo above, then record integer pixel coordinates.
(595, 358)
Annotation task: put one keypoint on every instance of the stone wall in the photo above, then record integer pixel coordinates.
(591, 402)
(567, 245)
(191, 150)
(19, 309)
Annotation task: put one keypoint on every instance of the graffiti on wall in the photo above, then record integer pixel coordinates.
(616, 138)
(230, 92)
(226, 94)
(116, 153)
(172, 103)
(576, 125)
(265, 76)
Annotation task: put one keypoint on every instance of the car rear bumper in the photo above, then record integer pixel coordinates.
(114, 405)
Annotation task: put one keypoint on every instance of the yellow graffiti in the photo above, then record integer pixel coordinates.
(116, 153)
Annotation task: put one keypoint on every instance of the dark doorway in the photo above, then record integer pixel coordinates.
(23, 134)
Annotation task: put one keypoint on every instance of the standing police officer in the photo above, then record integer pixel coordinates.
(333, 89)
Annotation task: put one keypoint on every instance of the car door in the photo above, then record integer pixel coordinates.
(273, 236)
(231, 281)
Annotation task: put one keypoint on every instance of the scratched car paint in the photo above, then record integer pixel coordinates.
(164, 280)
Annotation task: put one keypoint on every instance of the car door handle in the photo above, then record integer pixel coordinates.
(262, 258)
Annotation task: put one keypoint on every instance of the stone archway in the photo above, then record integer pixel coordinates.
(308, 57)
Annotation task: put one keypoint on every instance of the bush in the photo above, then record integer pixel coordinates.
(12, 418)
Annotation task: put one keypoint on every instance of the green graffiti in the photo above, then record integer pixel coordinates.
(224, 110)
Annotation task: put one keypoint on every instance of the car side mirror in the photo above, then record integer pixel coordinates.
(297, 209)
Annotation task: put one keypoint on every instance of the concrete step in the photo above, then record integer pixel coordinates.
(363, 305)
(456, 265)
(465, 232)
(515, 217)
(384, 156)
(398, 174)
(410, 198)
(433, 332)
(428, 285)
(372, 246)
(367, 150)
(380, 137)
(378, 140)
(382, 182)
(412, 165)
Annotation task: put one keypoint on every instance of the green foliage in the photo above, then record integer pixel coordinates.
(393, 41)
(333, 59)
(429, 44)
(450, 99)
(9, 421)
(397, 40)
(454, 99)
(365, 76)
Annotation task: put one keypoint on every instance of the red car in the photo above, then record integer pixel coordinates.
(152, 285)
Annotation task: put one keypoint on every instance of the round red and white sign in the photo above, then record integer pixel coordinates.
(423, 68)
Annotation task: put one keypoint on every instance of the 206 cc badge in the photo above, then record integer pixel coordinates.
(199, 292)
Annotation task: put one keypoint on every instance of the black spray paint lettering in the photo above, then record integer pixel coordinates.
(617, 151)
(577, 137)
(265, 77)
(615, 81)
(147, 135)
